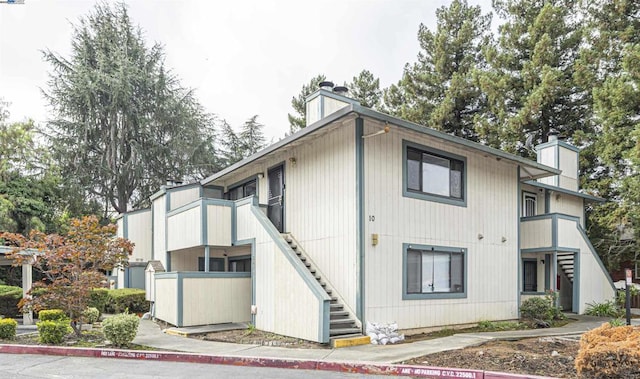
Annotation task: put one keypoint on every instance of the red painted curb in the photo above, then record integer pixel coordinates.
(346, 367)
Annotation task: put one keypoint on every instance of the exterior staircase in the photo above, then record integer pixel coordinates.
(341, 323)
(565, 263)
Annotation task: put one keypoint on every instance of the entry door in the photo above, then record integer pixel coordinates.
(275, 204)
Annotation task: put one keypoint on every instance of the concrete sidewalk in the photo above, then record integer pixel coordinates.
(150, 334)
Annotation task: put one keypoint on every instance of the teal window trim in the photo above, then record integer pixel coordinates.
(438, 295)
(547, 271)
(242, 183)
(406, 192)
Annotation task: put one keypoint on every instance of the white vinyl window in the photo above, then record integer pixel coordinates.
(433, 174)
(434, 271)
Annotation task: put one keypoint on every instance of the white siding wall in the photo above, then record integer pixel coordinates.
(320, 203)
(285, 303)
(219, 225)
(166, 306)
(569, 167)
(332, 105)
(594, 282)
(535, 233)
(321, 207)
(120, 225)
(159, 229)
(567, 204)
(492, 287)
(180, 197)
(184, 229)
(547, 157)
(216, 300)
(186, 260)
(139, 232)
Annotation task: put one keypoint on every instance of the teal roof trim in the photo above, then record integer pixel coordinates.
(564, 190)
(364, 111)
(558, 143)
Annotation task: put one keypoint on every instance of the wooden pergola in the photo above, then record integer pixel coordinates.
(27, 277)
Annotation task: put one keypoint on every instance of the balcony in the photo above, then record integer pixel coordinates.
(204, 222)
(202, 298)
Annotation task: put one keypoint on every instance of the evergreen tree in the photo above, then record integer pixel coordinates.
(609, 61)
(122, 124)
(438, 90)
(366, 89)
(251, 137)
(298, 120)
(530, 87)
(232, 147)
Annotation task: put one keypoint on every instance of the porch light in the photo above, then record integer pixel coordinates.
(385, 130)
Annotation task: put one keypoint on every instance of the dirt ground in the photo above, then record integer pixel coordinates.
(258, 337)
(548, 356)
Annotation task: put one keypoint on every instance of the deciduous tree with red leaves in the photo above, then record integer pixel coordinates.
(71, 264)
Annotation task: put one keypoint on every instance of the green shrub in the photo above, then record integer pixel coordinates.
(121, 329)
(621, 296)
(132, 299)
(496, 326)
(91, 315)
(8, 328)
(606, 309)
(52, 315)
(99, 299)
(53, 332)
(9, 298)
(541, 308)
(617, 322)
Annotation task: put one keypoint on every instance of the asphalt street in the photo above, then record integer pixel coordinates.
(44, 366)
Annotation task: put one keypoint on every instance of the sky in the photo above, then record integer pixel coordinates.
(243, 57)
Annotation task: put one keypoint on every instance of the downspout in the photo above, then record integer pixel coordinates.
(360, 286)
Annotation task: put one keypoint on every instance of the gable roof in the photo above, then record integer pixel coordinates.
(529, 169)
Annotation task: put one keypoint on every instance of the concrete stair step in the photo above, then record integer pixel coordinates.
(341, 322)
(338, 314)
(343, 331)
(336, 307)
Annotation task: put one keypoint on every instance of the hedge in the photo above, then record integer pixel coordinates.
(121, 329)
(53, 332)
(52, 315)
(8, 328)
(99, 299)
(131, 299)
(9, 298)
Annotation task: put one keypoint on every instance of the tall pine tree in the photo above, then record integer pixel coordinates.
(609, 62)
(366, 89)
(438, 90)
(298, 120)
(122, 125)
(530, 85)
